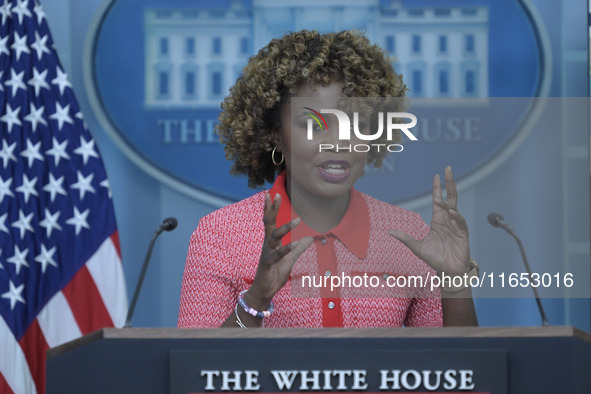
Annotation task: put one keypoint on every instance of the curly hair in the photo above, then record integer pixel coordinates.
(251, 112)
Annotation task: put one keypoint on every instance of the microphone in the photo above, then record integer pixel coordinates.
(496, 220)
(168, 224)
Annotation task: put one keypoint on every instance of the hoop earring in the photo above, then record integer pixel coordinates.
(273, 157)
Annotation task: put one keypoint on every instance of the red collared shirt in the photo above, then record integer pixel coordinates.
(352, 231)
(225, 249)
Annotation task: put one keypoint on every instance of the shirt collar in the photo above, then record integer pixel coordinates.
(352, 230)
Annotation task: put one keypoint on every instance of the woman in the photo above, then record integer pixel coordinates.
(247, 262)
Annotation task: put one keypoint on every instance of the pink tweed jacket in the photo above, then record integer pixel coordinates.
(225, 248)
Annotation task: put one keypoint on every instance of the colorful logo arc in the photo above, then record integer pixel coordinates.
(315, 116)
(156, 72)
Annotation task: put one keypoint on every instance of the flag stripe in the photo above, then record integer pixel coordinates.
(57, 321)
(106, 271)
(13, 363)
(34, 346)
(115, 239)
(4, 387)
(83, 296)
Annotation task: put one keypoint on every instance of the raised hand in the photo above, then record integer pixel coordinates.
(276, 260)
(445, 248)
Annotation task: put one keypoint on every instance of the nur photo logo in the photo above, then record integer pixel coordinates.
(359, 129)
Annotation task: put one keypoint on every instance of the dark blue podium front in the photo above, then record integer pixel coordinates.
(515, 360)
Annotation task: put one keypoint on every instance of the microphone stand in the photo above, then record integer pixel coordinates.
(497, 220)
(168, 225)
(528, 269)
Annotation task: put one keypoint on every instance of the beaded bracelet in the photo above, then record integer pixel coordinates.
(252, 311)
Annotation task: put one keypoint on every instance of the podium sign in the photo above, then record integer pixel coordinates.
(345, 371)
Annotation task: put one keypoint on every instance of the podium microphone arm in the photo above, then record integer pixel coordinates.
(497, 220)
(168, 224)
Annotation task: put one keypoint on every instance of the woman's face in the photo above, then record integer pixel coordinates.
(328, 173)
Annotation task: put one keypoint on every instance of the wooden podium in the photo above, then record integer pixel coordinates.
(515, 360)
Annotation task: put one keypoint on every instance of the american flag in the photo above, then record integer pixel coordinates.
(60, 267)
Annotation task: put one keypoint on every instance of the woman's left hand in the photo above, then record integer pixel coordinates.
(445, 248)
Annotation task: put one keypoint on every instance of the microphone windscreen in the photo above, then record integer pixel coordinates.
(169, 224)
(495, 219)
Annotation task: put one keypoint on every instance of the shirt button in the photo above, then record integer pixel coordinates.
(385, 276)
(331, 305)
(327, 273)
(323, 241)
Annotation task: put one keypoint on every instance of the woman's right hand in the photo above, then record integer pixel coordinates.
(277, 260)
